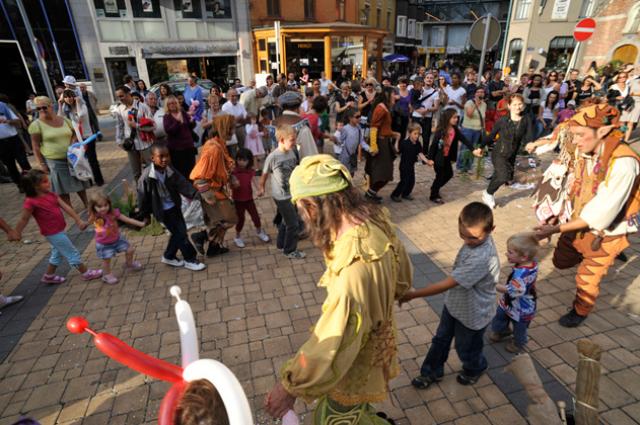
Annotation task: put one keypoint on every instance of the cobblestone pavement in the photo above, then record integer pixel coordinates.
(254, 307)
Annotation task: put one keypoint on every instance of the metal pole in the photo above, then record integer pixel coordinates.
(505, 40)
(53, 39)
(32, 39)
(487, 20)
(573, 60)
(276, 27)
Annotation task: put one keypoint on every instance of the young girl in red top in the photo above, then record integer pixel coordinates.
(242, 186)
(46, 207)
(109, 240)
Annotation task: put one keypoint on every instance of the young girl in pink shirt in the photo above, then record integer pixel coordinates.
(109, 240)
(46, 207)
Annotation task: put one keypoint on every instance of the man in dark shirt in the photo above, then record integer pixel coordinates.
(574, 85)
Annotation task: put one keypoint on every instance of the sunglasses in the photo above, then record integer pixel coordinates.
(42, 108)
(368, 85)
(357, 116)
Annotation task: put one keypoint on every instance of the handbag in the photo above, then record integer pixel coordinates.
(627, 104)
(129, 142)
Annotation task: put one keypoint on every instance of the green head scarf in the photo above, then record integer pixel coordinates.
(318, 175)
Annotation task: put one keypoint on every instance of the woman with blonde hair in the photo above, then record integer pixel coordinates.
(51, 136)
(179, 129)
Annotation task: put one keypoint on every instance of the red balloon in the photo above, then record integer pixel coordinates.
(167, 412)
(77, 324)
(137, 360)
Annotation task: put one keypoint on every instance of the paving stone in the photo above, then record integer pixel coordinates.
(477, 419)
(616, 417)
(505, 415)
(43, 396)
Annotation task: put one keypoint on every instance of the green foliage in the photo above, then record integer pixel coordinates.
(153, 229)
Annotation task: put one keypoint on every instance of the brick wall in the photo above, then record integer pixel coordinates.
(293, 11)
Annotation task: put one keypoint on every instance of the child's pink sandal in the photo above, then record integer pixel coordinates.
(135, 266)
(92, 274)
(52, 279)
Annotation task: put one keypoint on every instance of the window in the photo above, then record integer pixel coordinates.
(219, 9)
(190, 9)
(633, 21)
(401, 26)
(515, 53)
(110, 8)
(379, 18)
(522, 12)
(587, 8)
(388, 21)
(341, 10)
(411, 28)
(309, 9)
(419, 30)
(364, 18)
(273, 8)
(146, 8)
(560, 51)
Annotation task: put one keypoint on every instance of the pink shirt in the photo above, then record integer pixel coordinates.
(107, 231)
(47, 212)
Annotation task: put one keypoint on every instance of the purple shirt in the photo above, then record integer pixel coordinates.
(178, 133)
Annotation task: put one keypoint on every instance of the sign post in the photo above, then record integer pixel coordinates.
(582, 32)
(484, 35)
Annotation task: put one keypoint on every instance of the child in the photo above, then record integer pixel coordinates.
(410, 151)
(469, 301)
(253, 141)
(351, 137)
(568, 112)
(337, 135)
(518, 302)
(268, 133)
(159, 190)
(201, 403)
(281, 163)
(243, 195)
(444, 150)
(46, 207)
(109, 240)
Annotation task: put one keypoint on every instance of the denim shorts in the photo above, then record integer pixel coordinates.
(107, 251)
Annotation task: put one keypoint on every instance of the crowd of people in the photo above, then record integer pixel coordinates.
(220, 151)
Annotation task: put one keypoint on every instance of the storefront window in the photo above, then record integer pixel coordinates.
(146, 8)
(110, 8)
(515, 53)
(218, 9)
(346, 52)
(188, 9)
(560, 51)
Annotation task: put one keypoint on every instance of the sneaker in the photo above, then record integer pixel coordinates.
(396, 199)
(110, 279)
(488, 200)
(198, 239)
(423, 382)
(511, 347)
(12, 299)
(296, 255)
(135, 266)
(263, 236)
(239, 242)
(499, 336)
(173, 262)
(437, 200)
(572, 319)
(464, 379)
(215, 249)
(408, 198)
(194, 266)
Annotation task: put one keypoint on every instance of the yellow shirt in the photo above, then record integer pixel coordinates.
(55, 140)
(351, 354)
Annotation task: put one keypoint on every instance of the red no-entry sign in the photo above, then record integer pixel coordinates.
(584, 29)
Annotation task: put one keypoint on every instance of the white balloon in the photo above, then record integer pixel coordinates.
(187, 326)
(233, 396)
(290, 418)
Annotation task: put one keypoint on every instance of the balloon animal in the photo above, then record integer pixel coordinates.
(193, 368)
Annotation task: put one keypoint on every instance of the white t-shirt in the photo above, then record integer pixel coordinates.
(547, 113)
(7, 130)
(455, 95)
(236, 110)
(429, 102)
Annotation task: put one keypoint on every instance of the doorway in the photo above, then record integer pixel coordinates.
(627, 53)
(120, 67)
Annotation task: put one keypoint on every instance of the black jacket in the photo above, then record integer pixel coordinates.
(512, 135)
(149, 199)
(436, 149)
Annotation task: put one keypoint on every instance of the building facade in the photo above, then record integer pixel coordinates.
(448, 23)
(541, 33)
(616, 37)
(321, 36)
(410, 17)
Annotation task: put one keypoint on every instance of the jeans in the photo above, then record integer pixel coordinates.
(61, 246)
(407, 181)
(173, 221)
(465, 158)
(468, 344)
(501, 322)
(289, 226)
(502, 172)
(9, 153)
(444, 173)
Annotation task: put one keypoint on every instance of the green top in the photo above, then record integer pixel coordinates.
(55, 140)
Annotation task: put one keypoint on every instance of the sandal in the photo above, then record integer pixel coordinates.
(423, 382)
(91, 274)
(110, 279)
(52, 279)
(135, 266)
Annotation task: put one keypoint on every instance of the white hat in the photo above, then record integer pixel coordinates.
(69, 79)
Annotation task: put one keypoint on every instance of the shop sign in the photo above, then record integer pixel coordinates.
(560, 10)
(98, 74)
(454, 50)
(119, 50)
(435, 49)
(304, 45)
(229, 47)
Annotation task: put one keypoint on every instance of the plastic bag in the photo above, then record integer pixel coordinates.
(192, 213)
(78, 163)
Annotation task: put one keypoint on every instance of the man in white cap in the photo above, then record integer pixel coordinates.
(290, 102)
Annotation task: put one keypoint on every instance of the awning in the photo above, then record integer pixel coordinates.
(395, 58)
